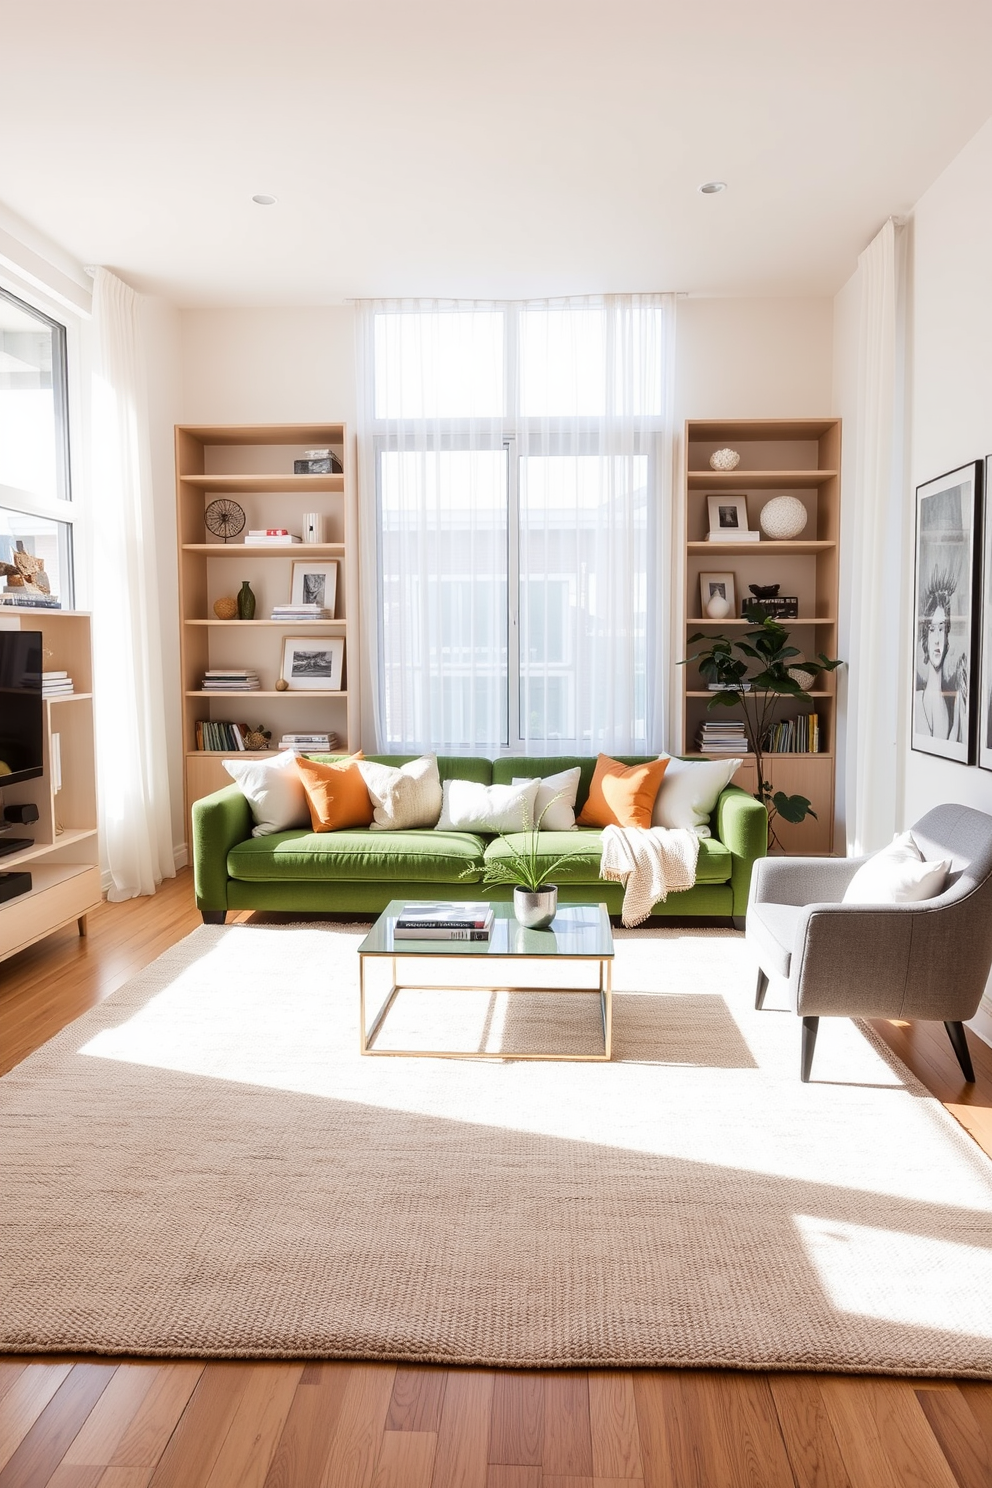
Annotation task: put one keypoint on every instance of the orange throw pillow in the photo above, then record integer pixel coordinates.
(336, 793)
(621, 795)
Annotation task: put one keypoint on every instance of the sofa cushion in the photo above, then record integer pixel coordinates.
(582, 851)
(504, 769)
(361, 855)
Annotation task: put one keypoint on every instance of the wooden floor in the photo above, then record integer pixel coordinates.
(87, 1423)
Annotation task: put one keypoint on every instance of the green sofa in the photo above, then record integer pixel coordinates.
(360, 871)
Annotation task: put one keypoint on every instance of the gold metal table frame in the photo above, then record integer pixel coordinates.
(559, 943)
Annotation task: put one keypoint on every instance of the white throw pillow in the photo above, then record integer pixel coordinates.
(558, 816)
(689, 792)
(471, 807)
(274, 792)
(897, 875)
(407, 797)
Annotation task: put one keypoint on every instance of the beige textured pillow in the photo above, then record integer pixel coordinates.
(407, 797)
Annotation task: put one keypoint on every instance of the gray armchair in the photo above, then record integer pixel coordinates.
(929, 959)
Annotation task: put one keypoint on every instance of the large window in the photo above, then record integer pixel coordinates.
(35, 507)
(516, 465)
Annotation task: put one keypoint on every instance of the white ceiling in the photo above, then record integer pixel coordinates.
(464, 148)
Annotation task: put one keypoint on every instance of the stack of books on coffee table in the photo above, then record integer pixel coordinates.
(444, 920)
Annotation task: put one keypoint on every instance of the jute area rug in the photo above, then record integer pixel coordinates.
(206, 1166)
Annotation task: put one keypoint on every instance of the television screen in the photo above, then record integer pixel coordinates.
(21, 756)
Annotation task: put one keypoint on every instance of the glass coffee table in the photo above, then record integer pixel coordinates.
(578, 933)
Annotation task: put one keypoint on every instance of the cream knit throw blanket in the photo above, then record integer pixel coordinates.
(651, 863)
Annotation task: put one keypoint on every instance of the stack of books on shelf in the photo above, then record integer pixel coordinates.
(301, 612)
(270, 537)
(32, 600)
(794, 735)
(728, 686)
(225, 737)
(309, 743)
(231, 679)
(725, 737)
(56, 684)
(444, 920)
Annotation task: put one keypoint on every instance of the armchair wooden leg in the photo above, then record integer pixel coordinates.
(959, 1043)
(213, 916)
(760, 990)
(810, 1026)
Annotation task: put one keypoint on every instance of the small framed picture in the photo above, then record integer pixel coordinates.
(313, 663)
(315, 583)
(727, 513)
(717, 595)
(948, 583)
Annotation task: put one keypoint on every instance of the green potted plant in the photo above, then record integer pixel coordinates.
(781, 673)
(535, 899)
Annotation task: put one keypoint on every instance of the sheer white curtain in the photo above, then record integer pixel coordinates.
(876, 535)
(516, 483)
(129, 705)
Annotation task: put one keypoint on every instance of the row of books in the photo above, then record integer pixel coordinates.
(25, 601)
(56, 684)
(214, 736)
(309, 743)
(230, 679)
(794, 735)
(723, 737)
(444, 920)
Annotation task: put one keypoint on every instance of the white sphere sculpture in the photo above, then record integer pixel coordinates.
(724, 459)
(782, 518)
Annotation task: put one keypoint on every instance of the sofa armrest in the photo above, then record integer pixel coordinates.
(220, 822)
(741, 824)
(802, 881)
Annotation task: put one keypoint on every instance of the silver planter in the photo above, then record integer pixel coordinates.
(535, 908)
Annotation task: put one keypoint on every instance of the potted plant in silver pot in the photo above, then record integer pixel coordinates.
(535, 898)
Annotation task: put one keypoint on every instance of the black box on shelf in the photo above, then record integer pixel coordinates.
(12, 884)
(783, 607)
(326, 465)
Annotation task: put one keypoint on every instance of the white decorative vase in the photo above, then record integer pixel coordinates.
(535, 908)
(783, 518)
(718, 607)
(724, 459)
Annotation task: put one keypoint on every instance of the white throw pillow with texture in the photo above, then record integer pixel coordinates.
(469, 806)
(273, 790)
(403, 798)
(689, 792)
(897, 875)
(558, 816)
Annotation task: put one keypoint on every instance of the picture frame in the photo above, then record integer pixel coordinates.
(315, 583)
(947, 583)
(985, 683)
(727, 514)
(718, 586)
(313, 663)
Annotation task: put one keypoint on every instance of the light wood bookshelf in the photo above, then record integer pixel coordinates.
(64, 858)
(253, 463)
(798, 457)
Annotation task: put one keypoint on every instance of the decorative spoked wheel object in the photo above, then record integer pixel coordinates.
(224, 518)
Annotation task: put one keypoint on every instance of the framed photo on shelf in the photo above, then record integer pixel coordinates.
(718, 590)
(985, 684)
(727, 514)
(313, 663)
(315, 583)
(945, 610)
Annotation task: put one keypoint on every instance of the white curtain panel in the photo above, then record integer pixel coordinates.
(129, 705)
(876, 534)
(516, 484)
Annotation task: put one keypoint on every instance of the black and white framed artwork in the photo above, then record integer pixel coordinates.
(946, 591)
(985, 685)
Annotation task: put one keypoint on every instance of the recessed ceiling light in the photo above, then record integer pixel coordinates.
(708, 188)
(270, 201)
